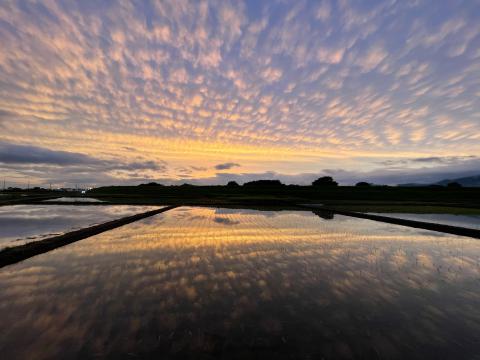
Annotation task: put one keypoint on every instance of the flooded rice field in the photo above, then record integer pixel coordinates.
(221, 283)
(20, 224)
(74, 199)
(467, 221)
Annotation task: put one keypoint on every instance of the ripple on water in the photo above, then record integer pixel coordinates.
(274, 283)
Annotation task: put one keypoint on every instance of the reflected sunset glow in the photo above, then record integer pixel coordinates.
(195, 279)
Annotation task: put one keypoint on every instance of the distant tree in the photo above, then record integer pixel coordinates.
(362, 184)
(454, 184)
(232, 184)
(151, 184)
(263, 183)
(325, 181)
(14, 189)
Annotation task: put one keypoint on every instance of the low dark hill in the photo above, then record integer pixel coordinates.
(470, 181)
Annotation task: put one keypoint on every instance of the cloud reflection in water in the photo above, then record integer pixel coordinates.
(292, 283)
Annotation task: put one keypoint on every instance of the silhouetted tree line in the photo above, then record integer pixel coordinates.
(32, 189)
(321, 182)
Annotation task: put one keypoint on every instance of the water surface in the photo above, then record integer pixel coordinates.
(74, 199)
(467, 221)
(20, 224)
(246, 284)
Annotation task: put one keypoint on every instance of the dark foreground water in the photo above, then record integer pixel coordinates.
(206, 283)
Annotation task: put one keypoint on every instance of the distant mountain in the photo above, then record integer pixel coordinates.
(469, 181)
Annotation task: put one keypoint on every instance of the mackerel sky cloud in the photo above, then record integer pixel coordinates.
(168, 90)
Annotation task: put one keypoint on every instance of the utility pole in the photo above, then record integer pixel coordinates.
(3, 184)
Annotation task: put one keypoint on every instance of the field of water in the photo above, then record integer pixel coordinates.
(222, 283)
(467, 221)
(74, 199)
(20, 224)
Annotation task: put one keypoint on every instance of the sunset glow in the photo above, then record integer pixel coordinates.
(120, 92)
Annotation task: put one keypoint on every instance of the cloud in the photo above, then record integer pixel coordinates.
(272, 74)
(331, 56)
(324, 11)
(403, 172)
(5, 114)
(26, 154)
(372, 58)
(138, 165)
(178, 80)
(435, 160)
(29, 157)
(226, 166)
(225, 221)
(445, 159)
(382, 175)
(448, 168)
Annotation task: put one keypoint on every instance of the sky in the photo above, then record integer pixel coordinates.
(203, 92)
